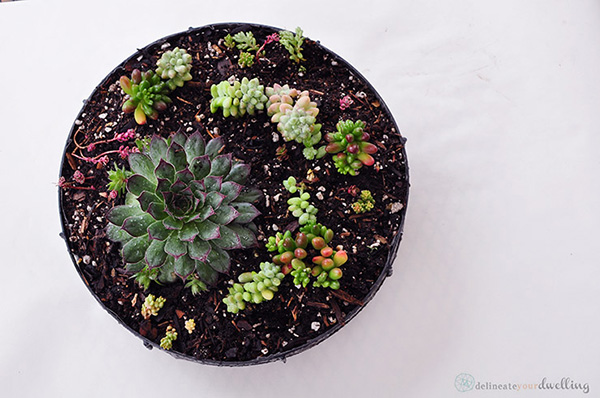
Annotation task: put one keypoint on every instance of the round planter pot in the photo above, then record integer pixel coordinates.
(297, 318)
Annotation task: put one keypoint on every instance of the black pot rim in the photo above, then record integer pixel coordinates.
(386, 271)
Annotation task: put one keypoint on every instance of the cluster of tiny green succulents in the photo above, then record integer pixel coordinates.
(174, 66)
(296, 121)
(254, 287)
(293, 43)
(365, 203)
(166, 343)
(290, 258)
(148, 92)
(239, 98)
(350, 146)
(186, 206)
(152, 305)
(245, 42)
(299, 206)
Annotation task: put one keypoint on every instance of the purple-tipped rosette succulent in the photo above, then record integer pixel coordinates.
(186, 207)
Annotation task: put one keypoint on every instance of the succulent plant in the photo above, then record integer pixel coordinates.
(147, 95)
(238, 98)
(190, 325)
(245, 41)
(281, 99)
(228, 41)
(186, 207)
(174, 66)
(293, 43)
(365, 203)
(152, 305)
(299, 124)
(118, 179)
(166, 343)
(254, 287)
(300, 206)
(246, 59)
(351, 146)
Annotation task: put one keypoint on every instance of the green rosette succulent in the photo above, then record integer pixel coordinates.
(186, 207)
(174, 66)
(146, 95)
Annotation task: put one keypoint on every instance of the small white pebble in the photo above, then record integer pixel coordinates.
(321, 188)
(277, 197)
(334, 63)
(78, 122)
(319, 195)
(166, 45)
(87, 259)
(275, 137)
(265, 351)
(94, 263)
(396, 207)
(275, 227)
(315, 326)
(102, 115)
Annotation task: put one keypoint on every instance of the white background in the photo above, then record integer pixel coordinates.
(497, 275)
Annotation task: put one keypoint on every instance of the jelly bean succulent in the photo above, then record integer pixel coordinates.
(147, 95)
(186, 206)
(175, 66)
(254, 287)
(350, 146)
(239, 98)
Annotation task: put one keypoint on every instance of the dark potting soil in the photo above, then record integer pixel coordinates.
(296, 315)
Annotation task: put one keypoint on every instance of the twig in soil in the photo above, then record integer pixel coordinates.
(342, 295)
(337, 311)
(184, 101)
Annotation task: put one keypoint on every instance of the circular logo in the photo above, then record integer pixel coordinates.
(464, 382)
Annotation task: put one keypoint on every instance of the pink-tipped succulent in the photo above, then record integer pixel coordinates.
(350, 147)
(186, 207)
(147, 95)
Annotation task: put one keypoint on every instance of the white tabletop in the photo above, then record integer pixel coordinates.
(497, 276)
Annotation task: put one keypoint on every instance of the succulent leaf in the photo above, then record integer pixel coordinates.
(118, 214)
(194, 146)
(136, 184)
(135, 249)
(142, 165)
(155, 254)
(184, 266)
(199, 249)
(137, 225)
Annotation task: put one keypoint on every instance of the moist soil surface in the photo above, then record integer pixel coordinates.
(296, 316)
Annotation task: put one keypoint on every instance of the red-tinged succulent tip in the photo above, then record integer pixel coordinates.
(366, 159)
(125, 84)
(139, 115)
(333, 147)
(367, 147)
(136, 76)
(326, 251)
(352, 148)
(128, 106)
(300, 253)
(286, 269)
(318, 260)
(328, 264)
(340, 258)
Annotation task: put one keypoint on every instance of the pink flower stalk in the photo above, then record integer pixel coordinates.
(62, 182)
(91, 147)
(103, 160)
(124, 151)
(78, 177)
(346, 102)
(272, 38)
(126, 136)
(113, 194)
